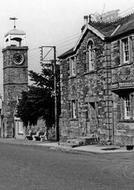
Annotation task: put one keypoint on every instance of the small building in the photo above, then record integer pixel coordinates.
(97, 82)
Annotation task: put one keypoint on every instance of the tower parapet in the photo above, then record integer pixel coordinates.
(15, 37)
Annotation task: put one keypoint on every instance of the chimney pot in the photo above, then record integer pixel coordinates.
(85, 19)
(89, 17)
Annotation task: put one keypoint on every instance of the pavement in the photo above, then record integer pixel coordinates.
(67, 148)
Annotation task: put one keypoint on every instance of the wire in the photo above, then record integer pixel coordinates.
(69, 43)
(67, 39)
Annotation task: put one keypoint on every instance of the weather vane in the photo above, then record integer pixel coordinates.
(14, 19)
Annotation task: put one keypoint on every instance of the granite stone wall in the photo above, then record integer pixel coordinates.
(122, 83)
(98, 93)
(91, 90)
(15, 80)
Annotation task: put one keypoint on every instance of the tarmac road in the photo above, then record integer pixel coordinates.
(39, 168)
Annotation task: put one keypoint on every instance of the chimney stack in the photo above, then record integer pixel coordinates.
(89, 17)
(85, 19)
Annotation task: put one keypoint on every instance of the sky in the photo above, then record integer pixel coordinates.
(51, 22)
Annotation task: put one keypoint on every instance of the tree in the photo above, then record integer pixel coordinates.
(38, 101)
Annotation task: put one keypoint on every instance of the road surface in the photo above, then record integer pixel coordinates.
(39, 168)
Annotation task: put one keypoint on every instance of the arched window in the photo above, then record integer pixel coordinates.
(91, 55)
(72, 66)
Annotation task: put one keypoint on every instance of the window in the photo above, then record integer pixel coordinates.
(72, 109)
(74, 112)
(126, 54)
(72, 66)
(73, 60)
(127, 107)
(91, 55)
(85, 61)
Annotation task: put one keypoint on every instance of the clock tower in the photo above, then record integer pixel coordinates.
(15, 80)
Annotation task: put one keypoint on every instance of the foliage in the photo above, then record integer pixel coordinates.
(38, 101)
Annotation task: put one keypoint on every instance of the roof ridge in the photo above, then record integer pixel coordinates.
(114, 21)
(124, 17)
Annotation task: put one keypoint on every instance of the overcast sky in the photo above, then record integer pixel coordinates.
(51, 22)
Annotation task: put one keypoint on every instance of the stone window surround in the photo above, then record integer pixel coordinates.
(125, 50)
(74, 115)
(72, 65)
(127, 107)
(73, 109)
(91, 54)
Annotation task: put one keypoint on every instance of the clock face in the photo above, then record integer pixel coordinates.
(18, 58)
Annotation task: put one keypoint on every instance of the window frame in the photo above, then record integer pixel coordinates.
(91, 55)
(127, 107)
(74, 109)
(72, 66)
(126, 54)
(126, 50)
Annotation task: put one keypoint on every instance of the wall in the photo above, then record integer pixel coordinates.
(90, 89)
(122, 82)
(15, 80)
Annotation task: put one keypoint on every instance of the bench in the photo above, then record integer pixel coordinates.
(40, 136)
(30, 136)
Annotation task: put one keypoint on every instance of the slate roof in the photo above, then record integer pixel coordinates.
(105, 28)
(125, 24)
(110, 29)
(67, 53)
(125, 27)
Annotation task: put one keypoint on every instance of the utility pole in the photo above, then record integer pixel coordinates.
(44, 60)
(55, 99)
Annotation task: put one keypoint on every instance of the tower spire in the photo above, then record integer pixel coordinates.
(14, 19)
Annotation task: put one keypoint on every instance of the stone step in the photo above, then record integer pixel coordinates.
(81, 141)
(71, 143)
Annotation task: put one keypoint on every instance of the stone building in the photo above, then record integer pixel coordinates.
(97, 82)
(15, 80)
